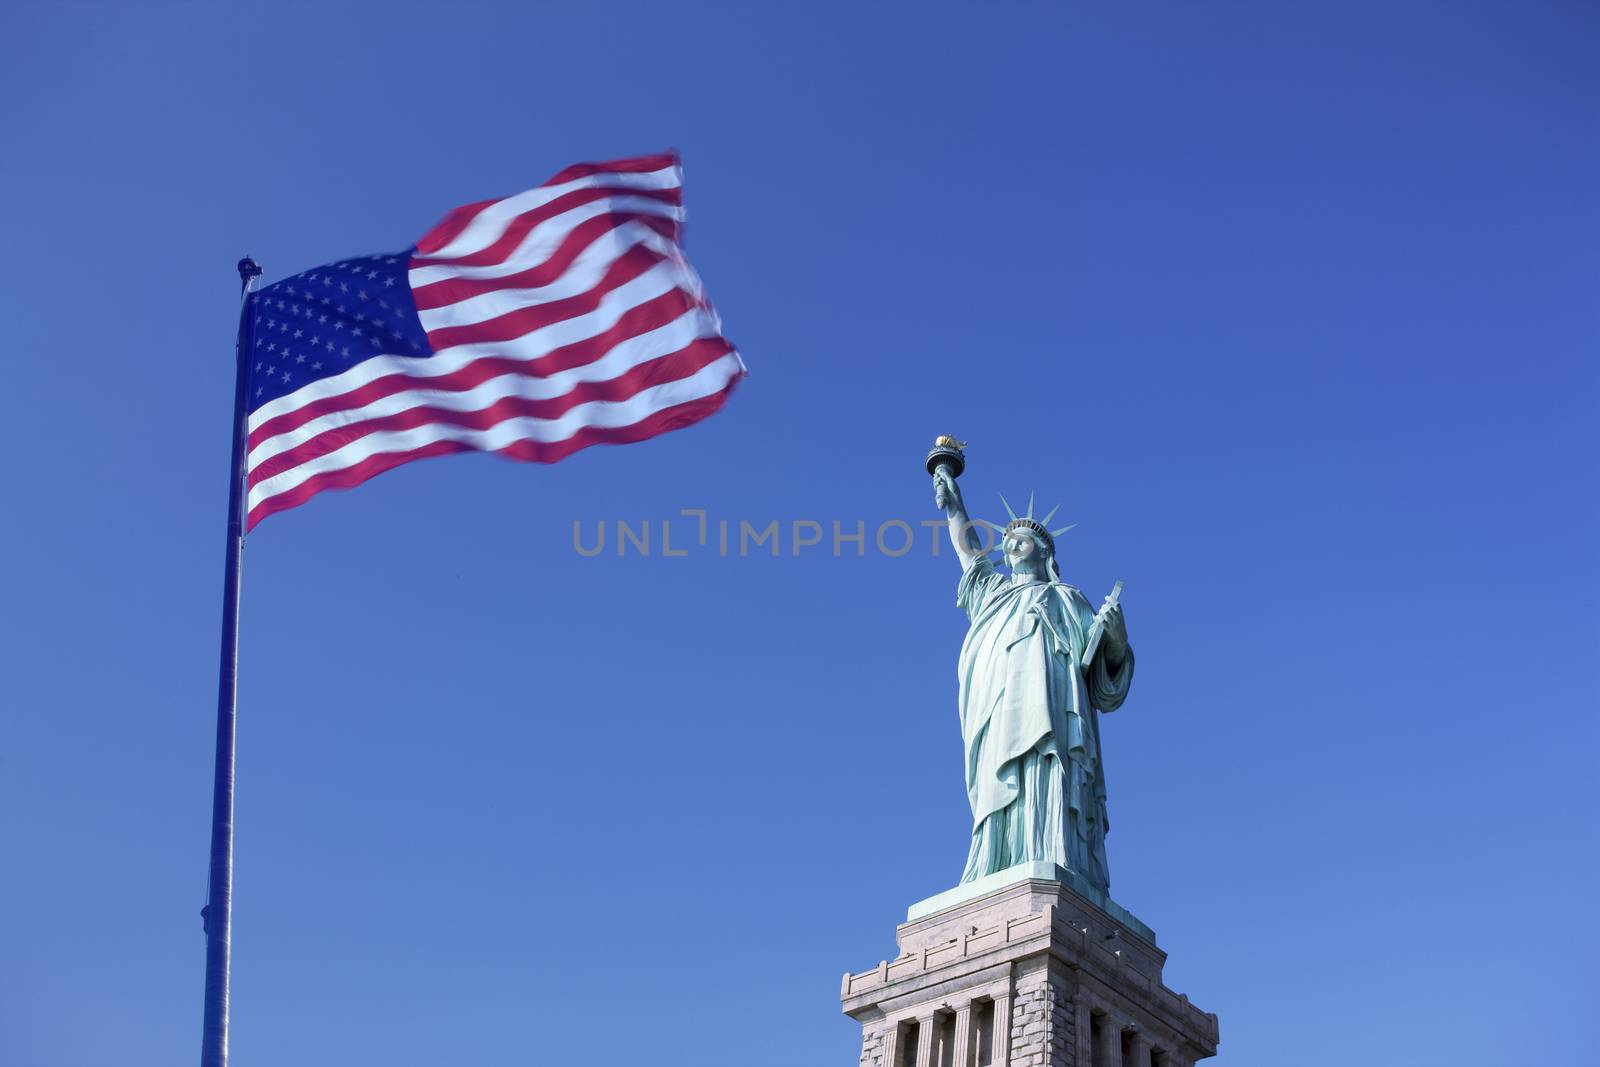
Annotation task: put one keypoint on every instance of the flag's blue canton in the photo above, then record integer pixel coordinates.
(323, 322)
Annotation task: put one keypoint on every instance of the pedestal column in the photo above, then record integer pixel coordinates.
(1083, 1038)
(1138, 1050)
(889, 1051)
(965, 1051)
(927, 1037)
(1108, 1038)
(1002, 1028)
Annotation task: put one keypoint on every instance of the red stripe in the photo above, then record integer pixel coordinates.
(660, 422)
(667, 368)
(518, 228)
(450, 227)
(641, 319)
(454, 290)
(524, 320)
(347, 478)
(636, 165)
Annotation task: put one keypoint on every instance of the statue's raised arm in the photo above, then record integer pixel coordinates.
(945, 463)
(963, 531)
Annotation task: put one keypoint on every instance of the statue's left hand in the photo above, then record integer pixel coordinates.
(1114, 627)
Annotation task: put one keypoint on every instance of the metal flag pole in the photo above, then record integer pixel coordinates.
(217, 915)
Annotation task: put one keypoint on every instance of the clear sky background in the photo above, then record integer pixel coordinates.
(1292, 307)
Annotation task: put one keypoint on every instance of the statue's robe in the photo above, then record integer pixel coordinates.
(1030, 724)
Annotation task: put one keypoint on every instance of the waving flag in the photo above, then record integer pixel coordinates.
(531, 326)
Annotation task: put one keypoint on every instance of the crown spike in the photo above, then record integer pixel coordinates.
(1030, 503)
(1046, 520)
(1064, 529)
(1009, 509)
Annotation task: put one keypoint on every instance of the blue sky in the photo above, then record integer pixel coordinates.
(1290, 306)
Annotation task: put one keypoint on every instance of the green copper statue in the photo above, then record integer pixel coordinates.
(1037, 667)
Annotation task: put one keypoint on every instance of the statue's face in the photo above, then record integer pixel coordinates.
(1023, 551)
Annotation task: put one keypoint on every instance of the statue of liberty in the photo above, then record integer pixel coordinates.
(1037, 667)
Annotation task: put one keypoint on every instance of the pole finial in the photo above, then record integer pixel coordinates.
(248, 268)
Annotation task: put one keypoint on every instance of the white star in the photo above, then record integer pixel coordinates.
(321, 319)
(345, 352)
(328, 345)
(301, 358)
(355, 331)
(317, 365)
(343, 288)
(362, 293)
(299, 334)
(388, 283)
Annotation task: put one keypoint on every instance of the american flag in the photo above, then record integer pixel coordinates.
(531, 326)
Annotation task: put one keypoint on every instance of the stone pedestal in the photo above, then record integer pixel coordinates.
(1026, 968)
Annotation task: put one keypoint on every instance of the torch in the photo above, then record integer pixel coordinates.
(947, 452)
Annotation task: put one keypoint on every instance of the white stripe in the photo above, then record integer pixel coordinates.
(489, 224)
(582, 275)
(658, 280)
(541, 242)
(679, 333)
(602, 413)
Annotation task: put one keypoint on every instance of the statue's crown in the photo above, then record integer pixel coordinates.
(1038, 527)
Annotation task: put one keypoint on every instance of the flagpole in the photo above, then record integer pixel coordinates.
(217, 915)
